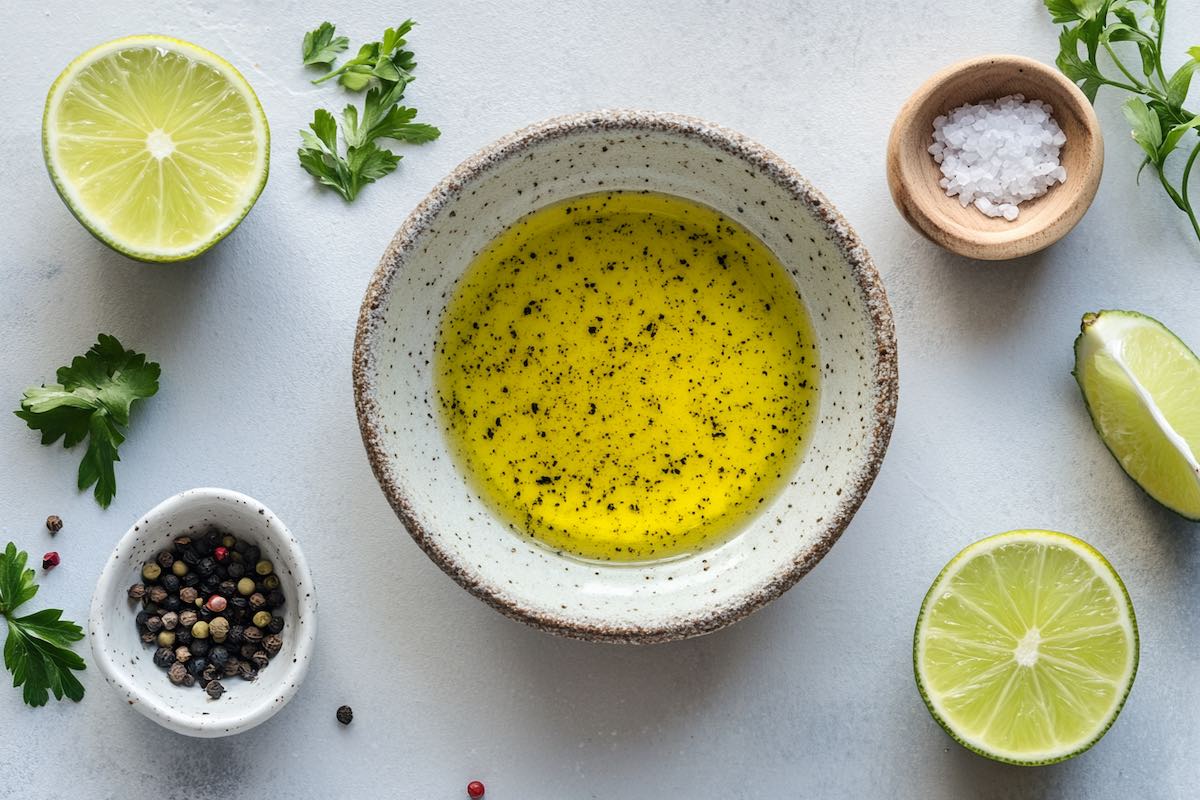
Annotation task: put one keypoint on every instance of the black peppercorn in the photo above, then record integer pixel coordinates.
(235, 570)
(171, 583)
(183, 541)
(191, 557)
(197, 665)
(208, 584)
(191, 579)
(156, 594)
(231, 667)
(172, 603)
(239, 606)
(276, 625)
(218, 655)
(227, 589)
(149, 638)
(176, 673)
(154, 624)
(248, 650)
(272, 644)
(206, 567)
(189, 680)
(205, 613)
(183, 635)
(54, 523)
(199, 647)
(275, 598)
(137, 591)
(345, 715)
(260, 659)
(214, 689)
(235, 634)
(257, 600)
(210, 673)
(252, 634)
(246, 671)
(141, 618)
(252, 555)
(164, 657)
(165, 559)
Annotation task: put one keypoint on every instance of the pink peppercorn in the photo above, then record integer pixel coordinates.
(221, 553)
(50, 560)
(216, 604)
(475, 790)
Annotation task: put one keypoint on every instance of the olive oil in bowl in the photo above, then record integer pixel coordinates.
(627, 376)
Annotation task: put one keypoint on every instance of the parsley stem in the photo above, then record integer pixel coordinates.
(1187, 173)
(1141, 87)
(329, 75)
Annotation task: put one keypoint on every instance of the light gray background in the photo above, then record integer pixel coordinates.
(811, 697)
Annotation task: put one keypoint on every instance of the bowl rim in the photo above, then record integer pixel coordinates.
(1002, 245)
(874, 304)
(149, 703)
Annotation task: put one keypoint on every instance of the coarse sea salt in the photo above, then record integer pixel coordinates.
(998, 153)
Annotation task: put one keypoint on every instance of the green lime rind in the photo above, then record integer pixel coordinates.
(1088, 321)
(89, 225)
(947, 726)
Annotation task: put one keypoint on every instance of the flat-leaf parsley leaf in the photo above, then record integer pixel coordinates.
(92, 400)
(321, 47)
(37, 650)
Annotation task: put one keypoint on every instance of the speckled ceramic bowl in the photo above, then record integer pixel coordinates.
(568, 156)
(127, 664)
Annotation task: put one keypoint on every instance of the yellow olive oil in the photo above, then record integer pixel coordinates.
(626, 376)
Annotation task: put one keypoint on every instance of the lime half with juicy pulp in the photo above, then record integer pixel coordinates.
(1026, 647)
(157, 146)
(1141, 385)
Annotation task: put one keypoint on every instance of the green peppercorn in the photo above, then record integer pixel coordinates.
(200, 630)
(167, 639)
(228, 541)
(264, 567)
(245, 587)
(179, 568)
(271, 581)
(151, 571)
(262, 619)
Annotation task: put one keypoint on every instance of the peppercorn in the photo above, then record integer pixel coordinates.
(187, 619)
(257, 600)
(187, 595)
(252, 634)
(272, 644)
(141, 618)
(205, 613)
(151, 571)
(165, 559)
(260, 659)
(197, 665)
(271, 582)
(206, 567)
(262, 619)
(157, 594)
(191, 580)
(216, 604)
(170, 620)
(235, 634)
(264, 567)
(149, 638)
(345, 715)
(149, 605)
(245, 587)
(172, 603)
(167, 639)
(475, 790)
(137, 591)
(200, 630)
(276, 624)
(252, 554)
(246, 671)
(235, 570)
(189, 680)
(179, 569)
(209, 583)
(164, 656)
(227, 588)
(221, 554)
(228, 541)
(239, 607)
(183, 635)
(275, 598)
(215, 689)
(211, 673)
(154, 624)
(248, 650)
(183, 541)
(176, 673)
(200, 647)
(231, 667)
(50, 560)
(218, 655)
(54, 523)
(171, 583)
(191, 557)
(182, 653)
(218, 629)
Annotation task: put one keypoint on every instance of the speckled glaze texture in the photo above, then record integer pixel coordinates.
(127, 664)
(569, 156)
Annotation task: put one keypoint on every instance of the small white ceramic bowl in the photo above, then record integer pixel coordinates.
(569, 156)
(127, 664)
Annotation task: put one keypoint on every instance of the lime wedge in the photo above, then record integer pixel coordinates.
(1141, 385)
(157, 146)
(1026, 647)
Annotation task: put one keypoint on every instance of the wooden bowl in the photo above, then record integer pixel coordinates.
(913, 174)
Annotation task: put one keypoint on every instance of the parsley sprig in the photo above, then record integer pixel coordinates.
(92, 400)
(1160, 122)
(384, 70)
(37, 650)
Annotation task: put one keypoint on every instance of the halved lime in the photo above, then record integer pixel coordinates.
(1026, 647)
(157, 146)
(1141, 385)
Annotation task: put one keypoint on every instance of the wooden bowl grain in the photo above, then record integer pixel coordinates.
(913, 174)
